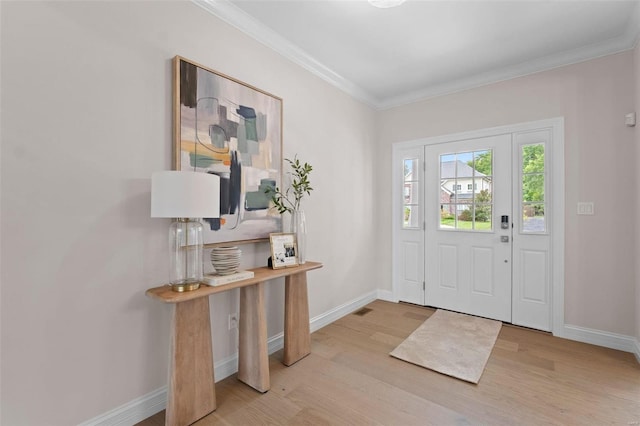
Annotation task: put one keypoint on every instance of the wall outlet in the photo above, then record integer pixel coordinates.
(586, 208)
(233, 321)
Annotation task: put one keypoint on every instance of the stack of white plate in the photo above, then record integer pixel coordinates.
(226, 260)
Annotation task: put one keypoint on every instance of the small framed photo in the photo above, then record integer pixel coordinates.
(283, 250)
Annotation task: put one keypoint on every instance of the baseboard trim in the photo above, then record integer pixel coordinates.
(602, 338)
(132, 412)
(387, 296)
(336, 313)
(147, 405)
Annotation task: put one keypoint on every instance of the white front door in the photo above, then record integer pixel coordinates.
(468, 214)
(450, 248)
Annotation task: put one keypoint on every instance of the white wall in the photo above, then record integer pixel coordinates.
(86, 114)
(594, 97)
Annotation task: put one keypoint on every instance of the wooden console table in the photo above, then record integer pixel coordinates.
(191, 388)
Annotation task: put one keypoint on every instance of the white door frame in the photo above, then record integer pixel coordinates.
(556, 125)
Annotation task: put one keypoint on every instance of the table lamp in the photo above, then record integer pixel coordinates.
(186, 197)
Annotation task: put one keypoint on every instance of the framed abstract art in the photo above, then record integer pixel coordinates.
(231, 129)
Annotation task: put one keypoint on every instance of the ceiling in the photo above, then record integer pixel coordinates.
(425, 48)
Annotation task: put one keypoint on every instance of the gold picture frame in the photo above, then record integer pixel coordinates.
(284, 250)
(229, 128)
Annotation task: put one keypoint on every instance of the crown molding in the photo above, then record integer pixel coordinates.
(626, 41)
(608, 47)
(236, 17)
(239, 19)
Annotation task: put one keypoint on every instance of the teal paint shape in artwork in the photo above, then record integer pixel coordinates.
(204, 161)
(250, 127)
(249, 115)
(256, 200)
(259, 200)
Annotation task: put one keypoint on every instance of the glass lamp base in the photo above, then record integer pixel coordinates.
(185, 242)
(182, 287)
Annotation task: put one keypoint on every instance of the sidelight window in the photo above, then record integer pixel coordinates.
(533, 199)
(410, 191)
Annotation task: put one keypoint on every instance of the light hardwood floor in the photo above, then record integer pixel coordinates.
(531, 378)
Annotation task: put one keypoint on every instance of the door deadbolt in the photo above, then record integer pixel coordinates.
(504, 223)
(504, 238)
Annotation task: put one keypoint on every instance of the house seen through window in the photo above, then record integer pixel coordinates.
(471, 209)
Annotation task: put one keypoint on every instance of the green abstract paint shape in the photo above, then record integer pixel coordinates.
(204, 161)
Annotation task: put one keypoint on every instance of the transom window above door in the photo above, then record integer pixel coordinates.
(466, 191)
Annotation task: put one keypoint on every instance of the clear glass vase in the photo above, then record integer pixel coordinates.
(299, 228)
(185, 242)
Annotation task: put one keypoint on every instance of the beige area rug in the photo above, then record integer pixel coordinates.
(450, 343)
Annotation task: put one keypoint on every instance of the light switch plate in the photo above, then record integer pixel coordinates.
(585, 208)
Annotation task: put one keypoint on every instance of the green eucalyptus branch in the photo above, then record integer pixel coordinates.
(290, 199)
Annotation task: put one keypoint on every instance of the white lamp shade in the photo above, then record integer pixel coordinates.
(182, 194)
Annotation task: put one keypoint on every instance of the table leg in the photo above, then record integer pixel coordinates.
(297, 337)
(191, 393)
(253, 354)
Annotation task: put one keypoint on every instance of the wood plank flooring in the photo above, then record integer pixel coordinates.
(531, 378)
